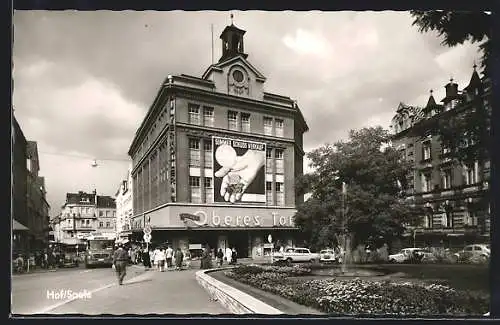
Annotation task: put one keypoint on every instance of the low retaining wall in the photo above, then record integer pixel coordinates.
(236, 301)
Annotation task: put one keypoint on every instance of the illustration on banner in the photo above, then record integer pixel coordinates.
(239, 167)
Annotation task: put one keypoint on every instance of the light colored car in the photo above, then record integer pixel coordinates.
(328, 256)
(480, 252)
(297, 255)
(405, 255)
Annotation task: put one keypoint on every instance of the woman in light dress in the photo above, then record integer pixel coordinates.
(229, 254)
(161, 257)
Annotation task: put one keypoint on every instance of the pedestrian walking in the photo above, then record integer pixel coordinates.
(187, 259)
(220, 257)
(155, 259)
(145, 259)
(160, 258)
(229, 255)
(234, 256)
(120, 260)
(179, 256)
(169, 255)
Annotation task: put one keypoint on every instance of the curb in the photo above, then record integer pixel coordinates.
(236, 301)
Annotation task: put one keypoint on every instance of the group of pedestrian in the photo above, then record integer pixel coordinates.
(162, 259)
(230, 255)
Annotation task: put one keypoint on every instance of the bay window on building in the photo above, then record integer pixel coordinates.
(194, 114)
(269, 192)
(278, 153)
(280, 194)
(426, 150)
(208, 116)
(426, 182)
(279, 126)
(209, 197)
(268, 126)
(194, 152)
(194, 186)
(232, 119)
(207, 151)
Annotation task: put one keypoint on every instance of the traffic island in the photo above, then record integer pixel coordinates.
(234, 300)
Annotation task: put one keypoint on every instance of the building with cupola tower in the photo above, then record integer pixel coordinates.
(216, 158)
(454, 196)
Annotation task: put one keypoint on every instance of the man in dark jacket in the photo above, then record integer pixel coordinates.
(120, 260)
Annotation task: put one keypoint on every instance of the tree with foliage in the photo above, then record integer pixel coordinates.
(375, 206)
(471, 125)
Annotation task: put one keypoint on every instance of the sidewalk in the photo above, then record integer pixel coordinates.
(153, 292)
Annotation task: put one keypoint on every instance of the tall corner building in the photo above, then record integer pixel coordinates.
(216, 158)
(455, 196)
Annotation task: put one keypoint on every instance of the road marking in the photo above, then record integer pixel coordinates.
(67, 301)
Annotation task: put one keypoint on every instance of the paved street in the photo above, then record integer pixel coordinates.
(142, 293)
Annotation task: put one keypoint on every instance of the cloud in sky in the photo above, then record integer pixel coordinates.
(83, 81)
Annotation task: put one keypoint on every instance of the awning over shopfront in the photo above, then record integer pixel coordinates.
(17, 226)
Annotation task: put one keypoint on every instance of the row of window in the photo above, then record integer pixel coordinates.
(88, 210)
(195, 190)
(88, 223)
(450, 220)
(470, 177)
(236, 121)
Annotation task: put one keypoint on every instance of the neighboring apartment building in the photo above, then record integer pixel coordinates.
(84, 214)
(223, 121)
(124, 207)
(30, 209)
(455, 197)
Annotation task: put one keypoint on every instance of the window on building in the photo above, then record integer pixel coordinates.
(83, 222)
(101, 224)
(279, 125)
(268, 126)
(426, 150)
(108, 225)
(278, 154)
(245, 122)
(101, 214)
(426, 182)
(208, 116)
(194, 114)
(280, 194)
(209, 198)
(269, 192)
(470, 174)
(194, 184)
(87, 222)
(232, 119)
(107, 214)
(269, 160)
(114, 214)
(207, 151)
(194, 152)
(446, 179)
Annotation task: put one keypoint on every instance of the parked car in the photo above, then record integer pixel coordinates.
(328, 256)
(297, 255)
(407, 254)
(478, 252)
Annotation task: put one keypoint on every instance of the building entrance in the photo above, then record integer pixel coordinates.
(239, 240)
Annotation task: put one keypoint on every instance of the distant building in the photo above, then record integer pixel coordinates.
(30, 209)
(124, 207)
(196, 126)
(84, 214)
(455, 197)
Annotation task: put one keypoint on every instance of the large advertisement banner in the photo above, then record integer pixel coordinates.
(239, 170)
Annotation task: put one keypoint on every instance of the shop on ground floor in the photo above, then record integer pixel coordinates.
(245, 228)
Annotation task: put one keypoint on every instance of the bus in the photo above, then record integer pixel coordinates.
(99, 252)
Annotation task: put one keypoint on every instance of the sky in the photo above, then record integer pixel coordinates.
(84, 81)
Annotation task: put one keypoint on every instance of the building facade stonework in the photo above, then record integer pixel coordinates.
(454, 196)
(216, 158)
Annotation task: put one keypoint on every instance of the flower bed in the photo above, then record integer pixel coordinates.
(342, 296)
